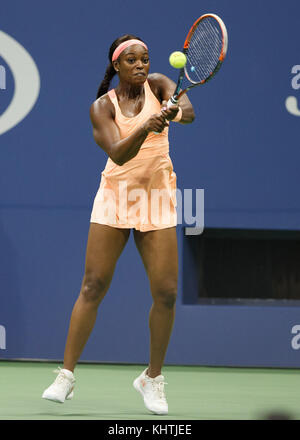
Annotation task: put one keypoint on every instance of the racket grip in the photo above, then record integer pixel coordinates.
(172, 101)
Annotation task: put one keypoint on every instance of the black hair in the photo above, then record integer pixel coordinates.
(110, 70)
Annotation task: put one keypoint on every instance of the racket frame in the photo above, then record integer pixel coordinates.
(183, 72)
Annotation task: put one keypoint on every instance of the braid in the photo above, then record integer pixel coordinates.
(104, 86)
(110, 71)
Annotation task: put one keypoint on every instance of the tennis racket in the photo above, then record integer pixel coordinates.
(205, 48)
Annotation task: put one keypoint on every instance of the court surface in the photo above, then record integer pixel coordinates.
(105, 391)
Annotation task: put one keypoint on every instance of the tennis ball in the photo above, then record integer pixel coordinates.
(177, 60)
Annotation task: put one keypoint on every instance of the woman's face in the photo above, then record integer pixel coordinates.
(133, 64)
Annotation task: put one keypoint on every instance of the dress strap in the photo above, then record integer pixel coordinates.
(112, 94)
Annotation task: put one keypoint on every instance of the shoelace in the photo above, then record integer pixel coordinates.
(158, 388)
(61, 376)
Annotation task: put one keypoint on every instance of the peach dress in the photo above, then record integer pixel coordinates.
(140, 194)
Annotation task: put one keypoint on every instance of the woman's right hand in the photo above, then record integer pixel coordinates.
(156, 123)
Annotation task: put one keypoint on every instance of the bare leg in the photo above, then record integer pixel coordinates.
(158, 250)
(105, 245)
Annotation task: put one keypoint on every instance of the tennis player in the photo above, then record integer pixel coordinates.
(130, 123)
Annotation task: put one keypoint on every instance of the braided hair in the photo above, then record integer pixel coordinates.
(110, 70)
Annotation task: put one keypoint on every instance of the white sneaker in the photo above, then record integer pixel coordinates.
(152, 390)
(62, 387)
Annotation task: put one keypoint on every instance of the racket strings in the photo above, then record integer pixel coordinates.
(204, 50)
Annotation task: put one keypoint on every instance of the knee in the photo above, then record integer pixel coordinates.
(94, 288)
(166, 296)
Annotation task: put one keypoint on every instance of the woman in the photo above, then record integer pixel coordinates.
(130, 123)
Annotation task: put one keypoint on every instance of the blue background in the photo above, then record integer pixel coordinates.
(242, 149)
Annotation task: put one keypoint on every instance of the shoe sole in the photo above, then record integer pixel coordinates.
(51, 399)
(139, 389)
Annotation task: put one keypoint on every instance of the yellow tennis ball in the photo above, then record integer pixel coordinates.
(177, 60)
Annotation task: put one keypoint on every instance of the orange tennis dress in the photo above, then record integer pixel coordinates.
(140, 194)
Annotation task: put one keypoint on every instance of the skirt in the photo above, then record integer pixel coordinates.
(140, 194)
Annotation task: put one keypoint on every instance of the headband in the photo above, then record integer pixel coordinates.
(124, 46)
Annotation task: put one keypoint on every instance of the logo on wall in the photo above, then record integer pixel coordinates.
(295, 342)
(2, 338)
(291, 102)
(2, 78)
(27, 81)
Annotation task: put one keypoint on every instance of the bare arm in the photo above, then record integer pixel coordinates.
(107, 134)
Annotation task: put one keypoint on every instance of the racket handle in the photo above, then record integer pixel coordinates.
(172, 101)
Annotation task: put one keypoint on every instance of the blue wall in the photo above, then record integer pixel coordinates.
(243, 150)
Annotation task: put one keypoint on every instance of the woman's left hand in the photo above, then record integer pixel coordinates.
(169, 113)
